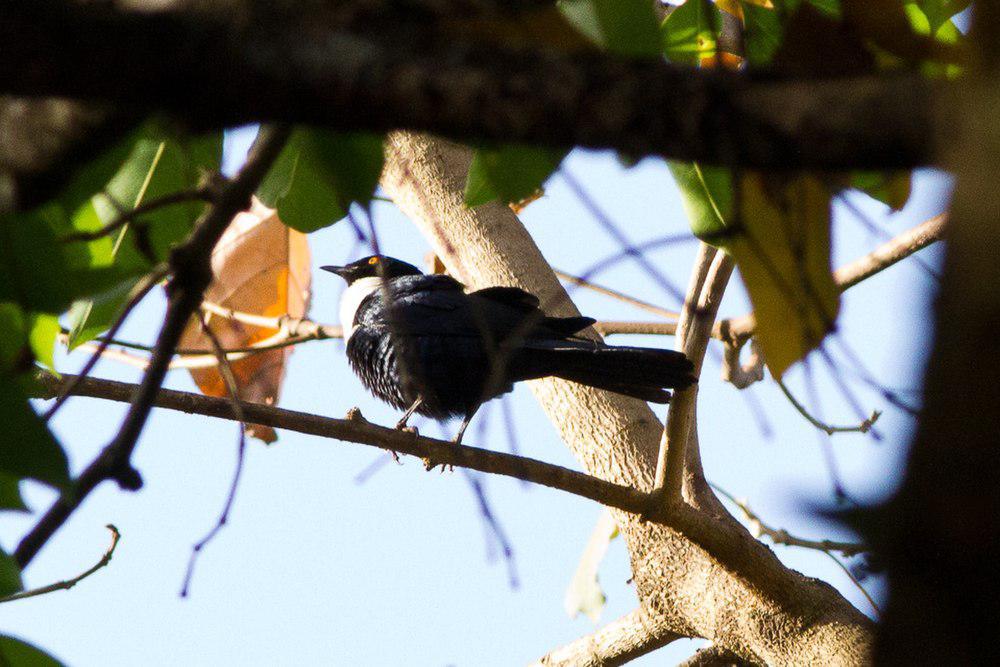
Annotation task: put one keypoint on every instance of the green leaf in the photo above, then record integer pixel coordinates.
(781, 244)
(158, 165)
(28, 449)
(707, 193)
(509, 173)
(584, 594)
(939, 11)
(689, 32)
(92, 176)
(43, 329)
(13, 335)
(625, 27)
(890, 188)
(763, 33)
(10, 494)
(10, 575)
(829, 7)
(319, 173)
(17, 653)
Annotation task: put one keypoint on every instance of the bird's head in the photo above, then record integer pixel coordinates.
(373, 266)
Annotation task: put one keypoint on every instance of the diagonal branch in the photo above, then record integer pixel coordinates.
(192, 272)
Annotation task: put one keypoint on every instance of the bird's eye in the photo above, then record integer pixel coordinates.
(373, 260)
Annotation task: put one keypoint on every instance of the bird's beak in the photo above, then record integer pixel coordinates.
(339, 270)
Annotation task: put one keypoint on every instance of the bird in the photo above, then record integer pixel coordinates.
(422, 344)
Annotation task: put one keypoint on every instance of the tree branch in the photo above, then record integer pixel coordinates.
(703, 555)
(695, 326)
(618, 642)
(863, 427)
(359, 430)
(715, 656)
(192, 273)
(781, 536)
(307, 62)
(70, 583)
(125, 217)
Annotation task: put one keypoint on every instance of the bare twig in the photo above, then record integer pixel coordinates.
(139, 291)
(125, 217)
(70, 583)
(233, 390)
(781, 536)
(857, 583)
(610, 327)
(863, 427)
(615, 294)
(192, 273)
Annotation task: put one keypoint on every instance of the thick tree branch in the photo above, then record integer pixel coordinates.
(192, 273)
(618, 642)
(307, 62)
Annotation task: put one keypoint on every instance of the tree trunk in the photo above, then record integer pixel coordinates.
(768, 614)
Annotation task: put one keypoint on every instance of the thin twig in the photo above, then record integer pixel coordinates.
(857, 583)
(192, 273)
(125, 217)
(233, 390)
(139, 291)
(615, 294)
(781, 536)
(862, 427)
(70, 583)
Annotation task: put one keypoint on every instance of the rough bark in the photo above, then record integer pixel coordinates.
(768, 613)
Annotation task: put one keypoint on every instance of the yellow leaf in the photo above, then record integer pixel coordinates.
(261, 267)
(783, 253)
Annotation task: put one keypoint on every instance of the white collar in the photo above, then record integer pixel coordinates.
(351, 300)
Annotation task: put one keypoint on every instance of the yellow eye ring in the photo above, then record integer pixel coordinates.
(373, 260)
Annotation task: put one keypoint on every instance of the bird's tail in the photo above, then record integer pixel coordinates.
(641, 372)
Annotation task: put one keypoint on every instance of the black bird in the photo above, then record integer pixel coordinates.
(421, 343)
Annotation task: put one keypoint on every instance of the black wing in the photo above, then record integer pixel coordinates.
(514, 297)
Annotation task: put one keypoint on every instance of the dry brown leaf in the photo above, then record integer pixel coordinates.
(261, 267)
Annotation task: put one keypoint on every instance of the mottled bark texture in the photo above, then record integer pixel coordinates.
(367, 65)
(940, 535)
(757, 608)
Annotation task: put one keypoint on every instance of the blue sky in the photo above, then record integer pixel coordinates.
(315, 568)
